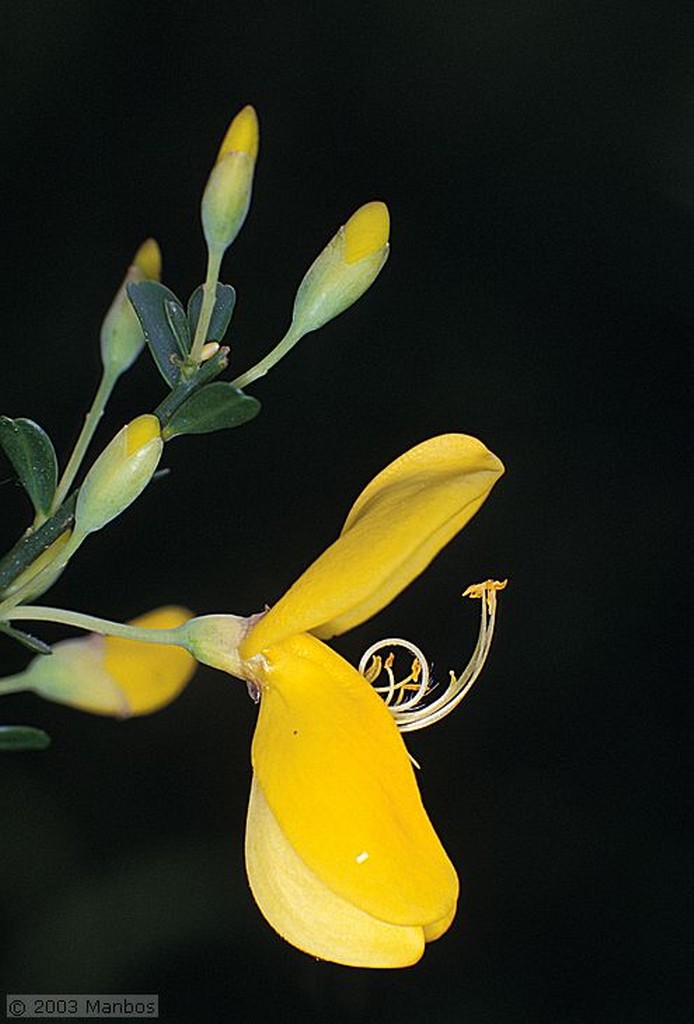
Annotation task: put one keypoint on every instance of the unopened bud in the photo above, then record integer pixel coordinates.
(227, 195)
(121, 335)
(112, 676)
(347, 266)
(119, 475)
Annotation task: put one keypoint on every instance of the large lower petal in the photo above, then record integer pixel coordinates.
(337, 778)
(396, 527)
(305, 912)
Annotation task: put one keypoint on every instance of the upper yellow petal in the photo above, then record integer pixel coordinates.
(336, 776)
(395, 528)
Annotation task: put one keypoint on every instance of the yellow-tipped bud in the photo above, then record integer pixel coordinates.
(348, 265)
(120, 474)
(227, 195)
(111, 676)
(121, 335)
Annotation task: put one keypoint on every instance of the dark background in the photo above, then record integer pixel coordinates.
(538, 161)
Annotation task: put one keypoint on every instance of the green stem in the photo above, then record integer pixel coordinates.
(13, 684)
(91, 421)
(209, 296)
(37, 613)
(185, 388)
(260, 369)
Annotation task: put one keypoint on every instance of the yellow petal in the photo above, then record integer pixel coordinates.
(242, 135)
(305, 912)
(149, 675)
(336, 775)
(366, 231)
(396, 527)
(147, 259)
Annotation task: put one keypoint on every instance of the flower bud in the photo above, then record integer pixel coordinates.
(121, 335)
(227, 195)
(348, 265)
(119, 475)
(112, 676)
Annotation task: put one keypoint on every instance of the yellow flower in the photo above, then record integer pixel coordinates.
(341, 856)
(111, 676)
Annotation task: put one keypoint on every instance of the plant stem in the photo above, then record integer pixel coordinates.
(92, 624)
(91, 420)
(13, 684)
(182, 391)
(209, 296)
(260, 369)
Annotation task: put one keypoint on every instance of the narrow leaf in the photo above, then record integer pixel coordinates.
(159, 313)
(31, 452)
(178, 322)
(23, 737)
(225, 301)
(217, 406)
(25, 639)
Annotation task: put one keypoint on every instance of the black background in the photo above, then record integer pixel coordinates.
(538, 161)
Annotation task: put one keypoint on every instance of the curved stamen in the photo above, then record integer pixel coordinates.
(393, 692)
(408, 715)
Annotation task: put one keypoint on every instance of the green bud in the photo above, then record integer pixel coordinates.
(119, 475)
(347, 266)
(227, 195)
(121, 338)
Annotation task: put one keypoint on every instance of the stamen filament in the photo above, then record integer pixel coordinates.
(407, 715)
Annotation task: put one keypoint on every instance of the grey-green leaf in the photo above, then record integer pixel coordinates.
(217, 406)
(160, 314)
(25, 639)
(31, 452)
(178, 322)
(23, 737)
(225, 300)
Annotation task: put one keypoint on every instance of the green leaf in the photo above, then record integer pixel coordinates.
(25, 639)
(161, 317)
(225, 300)
(217, 406)
(31, 452)
(23, 737)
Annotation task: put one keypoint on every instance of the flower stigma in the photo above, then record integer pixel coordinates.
(408, 699)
